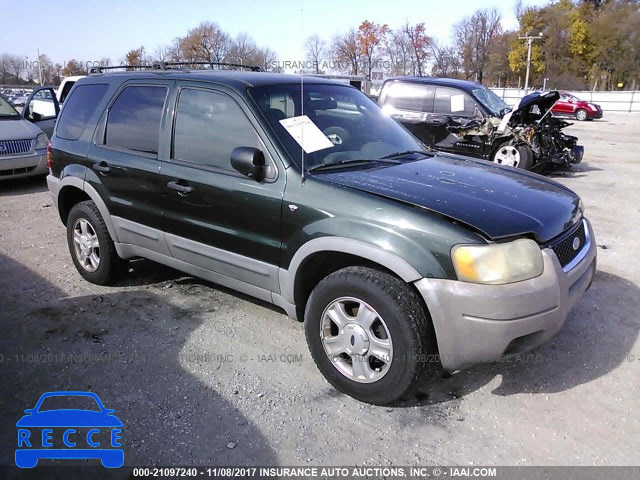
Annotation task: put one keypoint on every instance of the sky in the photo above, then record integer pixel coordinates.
(95, 29)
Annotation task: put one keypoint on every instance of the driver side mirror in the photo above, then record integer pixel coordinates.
(249, 161)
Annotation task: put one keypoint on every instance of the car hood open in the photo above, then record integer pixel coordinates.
(497, 201)
(526, 111)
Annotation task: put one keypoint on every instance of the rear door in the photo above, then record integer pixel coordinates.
(214, 217)
(124, 160)
(412, 105)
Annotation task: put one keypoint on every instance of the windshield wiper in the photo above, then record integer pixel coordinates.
(326, 166)
(405, 153)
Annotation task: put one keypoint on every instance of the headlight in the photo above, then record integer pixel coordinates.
(498, 263)
(592, 106)
(42, 141)
(581, 206)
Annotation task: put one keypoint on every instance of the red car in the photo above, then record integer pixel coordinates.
(571, 106)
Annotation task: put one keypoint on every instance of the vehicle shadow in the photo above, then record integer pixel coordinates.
(597, 337)
(131, 348)
(23, 186)
(576, 171)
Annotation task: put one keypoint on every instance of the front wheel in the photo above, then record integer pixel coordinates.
(517, 156)
(581, 114)
(368, 334)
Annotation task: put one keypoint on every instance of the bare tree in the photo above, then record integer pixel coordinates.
(446, 62)
(316, 51)
(345, 51)
(244, 51)
(473, 38)
(205, 43)
(398, 50)
(419, 42)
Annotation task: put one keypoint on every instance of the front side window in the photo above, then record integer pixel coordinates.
(209, 125)
(134, 119)
(78, 109)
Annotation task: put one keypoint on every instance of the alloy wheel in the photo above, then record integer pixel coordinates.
(507, 155)
(86, 245)
(356, 340)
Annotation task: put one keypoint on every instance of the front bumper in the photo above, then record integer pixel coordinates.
(34, 163)
(480, 323)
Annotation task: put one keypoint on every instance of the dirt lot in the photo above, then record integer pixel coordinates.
(201, 375)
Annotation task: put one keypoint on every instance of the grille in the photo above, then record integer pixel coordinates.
(15, 147)
(564, 248)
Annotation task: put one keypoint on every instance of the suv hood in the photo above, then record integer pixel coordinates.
(526, 111)
(497, 201)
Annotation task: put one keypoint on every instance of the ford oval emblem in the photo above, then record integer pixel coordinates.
(3, 147)
(576, 243)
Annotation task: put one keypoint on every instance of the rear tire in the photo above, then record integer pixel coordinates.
(91, 246)
(582, 115)
(368, 334)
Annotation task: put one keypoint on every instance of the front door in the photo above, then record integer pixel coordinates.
(42, 109)
(214, 217)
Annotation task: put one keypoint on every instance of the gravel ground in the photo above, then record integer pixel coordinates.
(200, 375)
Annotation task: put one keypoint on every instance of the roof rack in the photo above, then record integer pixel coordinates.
(173, 65)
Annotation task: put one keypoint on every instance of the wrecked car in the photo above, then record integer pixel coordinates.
(467, 118)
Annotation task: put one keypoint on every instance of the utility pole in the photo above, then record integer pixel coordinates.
(529, 39)
(39, 68)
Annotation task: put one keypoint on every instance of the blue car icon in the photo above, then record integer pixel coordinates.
(69, 433)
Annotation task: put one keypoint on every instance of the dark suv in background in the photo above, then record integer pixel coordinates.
(305, 195)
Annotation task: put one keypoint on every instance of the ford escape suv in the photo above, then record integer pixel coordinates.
(305, 195)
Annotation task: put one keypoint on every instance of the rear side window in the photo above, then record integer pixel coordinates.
(78, 109)
(134, 119)
(410, 96)
(450, 101)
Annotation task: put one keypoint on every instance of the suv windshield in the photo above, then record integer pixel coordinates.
(496, 106)
(354, 128)
(6, 110)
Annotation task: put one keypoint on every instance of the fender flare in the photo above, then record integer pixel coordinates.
(72, 181)
(387, 259)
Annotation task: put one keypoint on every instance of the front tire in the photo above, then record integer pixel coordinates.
(368, 334)
(517, 156)
(90, 244)
(582, 115)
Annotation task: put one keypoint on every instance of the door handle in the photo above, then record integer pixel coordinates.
(102, 167)
(181, 189)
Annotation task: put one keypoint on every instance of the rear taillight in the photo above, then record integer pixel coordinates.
(49, 156)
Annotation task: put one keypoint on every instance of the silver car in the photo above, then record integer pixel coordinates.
(23, 145)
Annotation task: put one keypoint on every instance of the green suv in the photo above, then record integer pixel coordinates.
(303, 193)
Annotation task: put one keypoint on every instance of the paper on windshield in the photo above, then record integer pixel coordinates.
(457, 103)
(306, 133)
